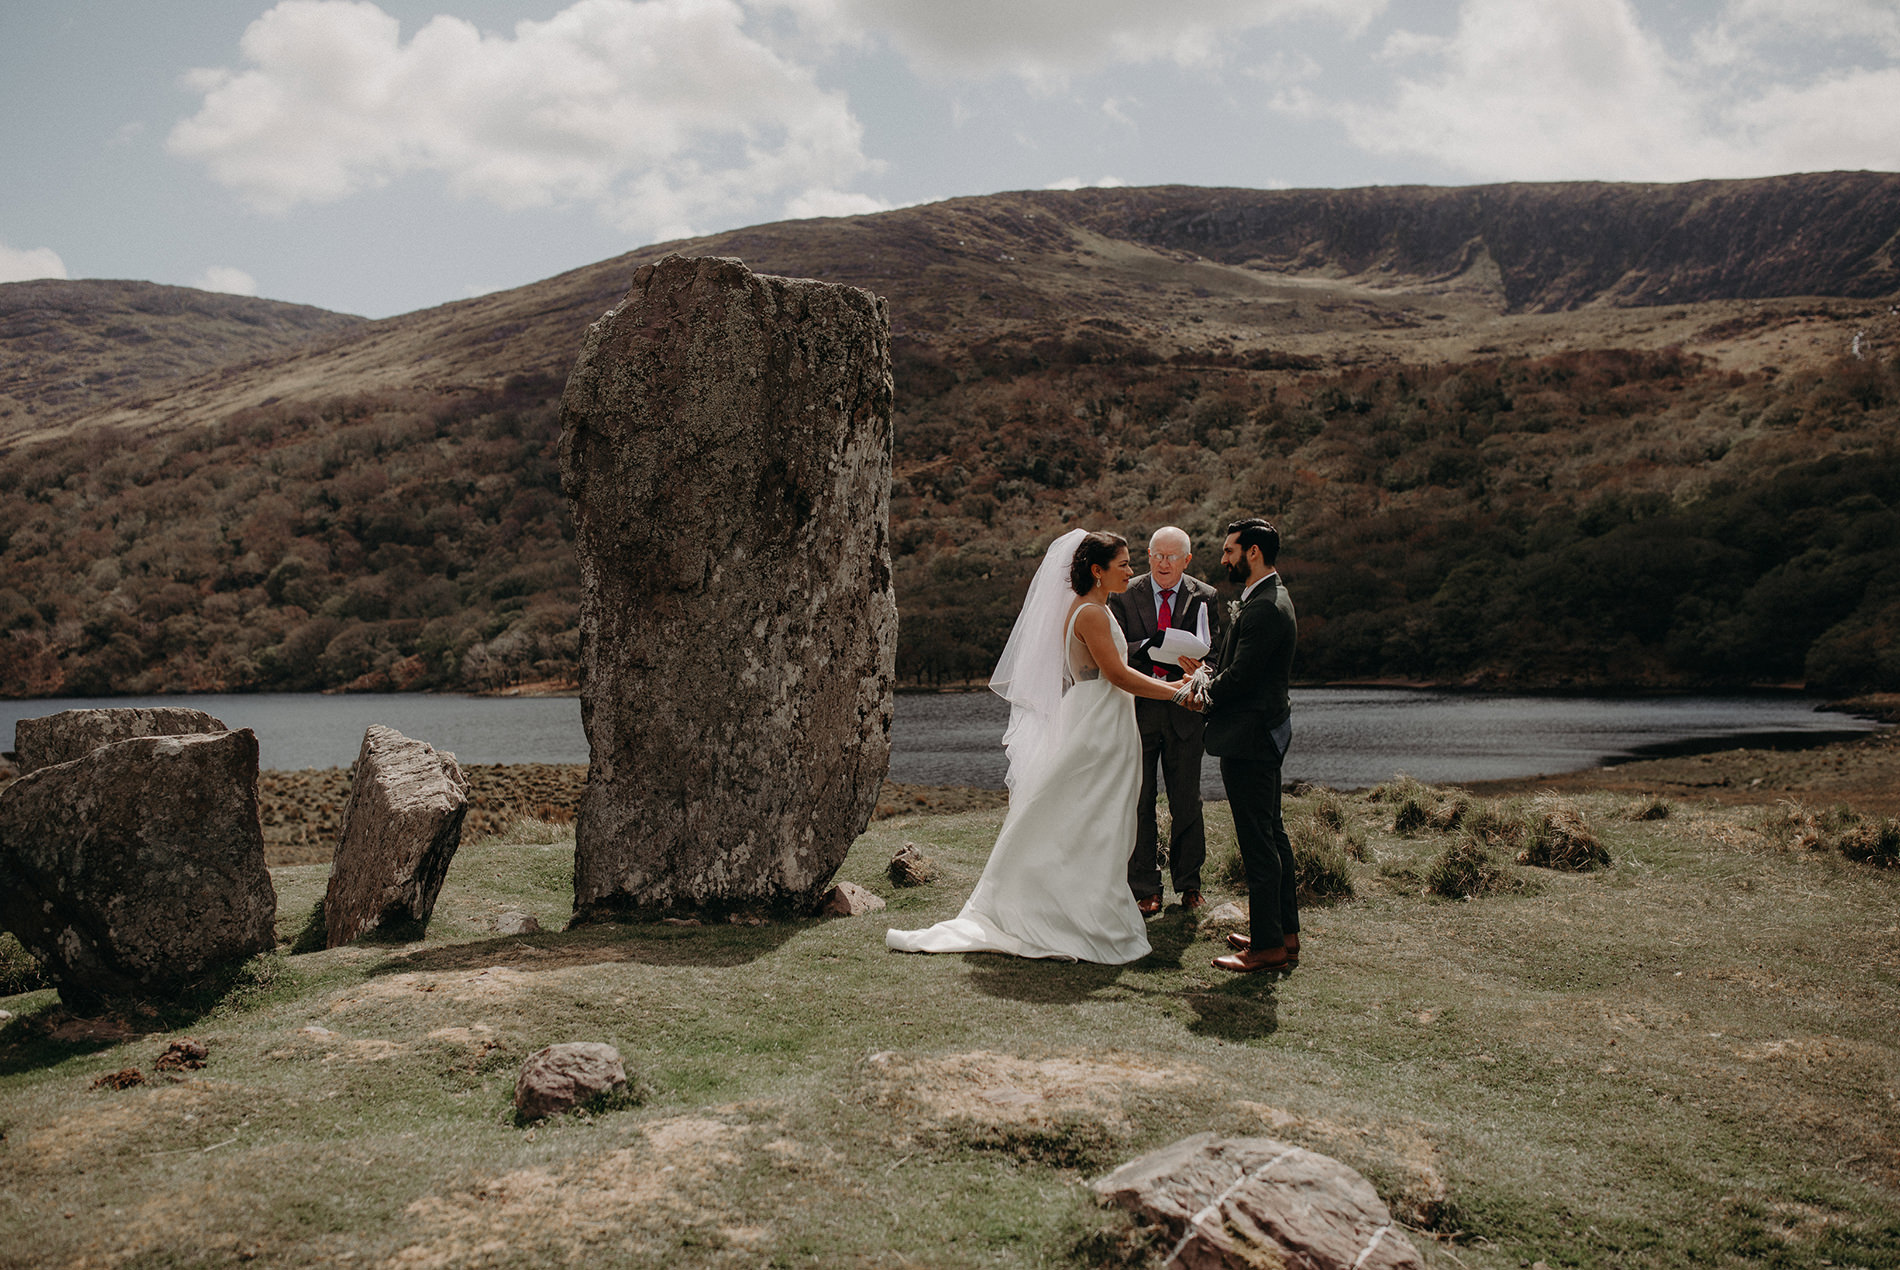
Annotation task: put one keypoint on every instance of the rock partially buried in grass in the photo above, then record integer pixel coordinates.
(562, 1077)
(71, 734)
(911, 867)
(848, 899)
(516, 922)
(1228, 914)
(1250, 1202)
(400, 830)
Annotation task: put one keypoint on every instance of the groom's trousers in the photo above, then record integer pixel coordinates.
(1253, 792)
(1176, 751)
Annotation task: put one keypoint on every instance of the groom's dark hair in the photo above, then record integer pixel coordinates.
(1098, 548)
(1258, 531)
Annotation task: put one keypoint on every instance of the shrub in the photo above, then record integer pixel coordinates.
(1466, 869)
(1561, 839)
(19, 971)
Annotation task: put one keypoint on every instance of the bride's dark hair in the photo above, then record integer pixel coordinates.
(1096, 549)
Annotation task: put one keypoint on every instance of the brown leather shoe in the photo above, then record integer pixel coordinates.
(1191, 900)
(1149, 905)
(1247, 963)
(1241, 943)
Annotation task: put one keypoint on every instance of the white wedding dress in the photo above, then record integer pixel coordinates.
(1056, 884)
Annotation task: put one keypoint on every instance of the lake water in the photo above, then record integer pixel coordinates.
(1345, 737)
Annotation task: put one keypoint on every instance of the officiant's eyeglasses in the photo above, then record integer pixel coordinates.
(1166, 557)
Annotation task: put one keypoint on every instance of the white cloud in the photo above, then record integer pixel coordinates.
(1077, 183)
(1045, 42)
(659, 114)
(24, 266)
(1557, 90)
(225, 278)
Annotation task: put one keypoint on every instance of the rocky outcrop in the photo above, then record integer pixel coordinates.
(400, 831)
(563, 1077)
(138, 868)
(1554, 245)
(725, 451)
(1242, 1203)
(71, 734)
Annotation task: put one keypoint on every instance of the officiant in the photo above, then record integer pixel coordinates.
(1165, 599)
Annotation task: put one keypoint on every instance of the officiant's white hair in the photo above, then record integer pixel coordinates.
(1170, 533)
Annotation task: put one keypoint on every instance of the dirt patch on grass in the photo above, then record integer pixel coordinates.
(632, 1201)
(109, 1120)
(1000, 1088)
(490, 984)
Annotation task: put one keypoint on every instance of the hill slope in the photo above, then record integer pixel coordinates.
(72, 347)
(1497, 456)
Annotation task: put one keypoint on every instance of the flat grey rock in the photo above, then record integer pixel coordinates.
(726, 455)
(848, 899)
(1242, 1203)
(71, 734)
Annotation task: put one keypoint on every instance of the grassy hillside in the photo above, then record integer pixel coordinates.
(1493, 465)
(1686, 1059)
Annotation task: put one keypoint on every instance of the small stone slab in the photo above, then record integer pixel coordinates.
(1228, 914)
(1241, 1203)
(400, 831)
(515, 922)
(563, 1077)
(134, 870)
(848, 899)
(71, 734)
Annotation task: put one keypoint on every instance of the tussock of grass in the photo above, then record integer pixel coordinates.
(1875, 842)
(1652, 807)
(1560, 838)
(1466, 869)
(1794, 826)
(1322, 855)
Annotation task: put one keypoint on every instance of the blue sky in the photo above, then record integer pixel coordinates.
(378, 157)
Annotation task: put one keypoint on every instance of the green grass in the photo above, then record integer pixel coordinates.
(1687, 1058)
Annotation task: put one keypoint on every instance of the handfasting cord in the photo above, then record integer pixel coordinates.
(1194, 685)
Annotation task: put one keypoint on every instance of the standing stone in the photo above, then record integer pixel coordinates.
(71, 734)
(400, 830)
(726, 453)
(1241, 1203)
(134, 870)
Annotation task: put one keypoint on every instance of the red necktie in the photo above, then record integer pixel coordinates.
(1163, 621)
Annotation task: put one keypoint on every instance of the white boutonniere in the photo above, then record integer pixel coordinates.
(1233, 610)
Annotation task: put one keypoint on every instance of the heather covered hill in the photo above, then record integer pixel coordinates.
(69, 348)
(1517, 435)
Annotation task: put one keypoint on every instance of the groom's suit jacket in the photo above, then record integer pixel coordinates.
(1247, 696)
(1134, 611)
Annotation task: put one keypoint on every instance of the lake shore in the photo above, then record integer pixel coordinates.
(302, 811)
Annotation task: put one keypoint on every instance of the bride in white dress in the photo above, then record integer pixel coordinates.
(1056, 884)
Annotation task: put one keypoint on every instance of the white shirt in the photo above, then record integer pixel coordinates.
(1256, 582)
(1181, 595)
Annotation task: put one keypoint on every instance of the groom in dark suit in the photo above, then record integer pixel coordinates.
(1170, 734)
(1249, 724)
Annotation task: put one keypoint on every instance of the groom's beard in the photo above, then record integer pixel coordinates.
(1237, 573)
